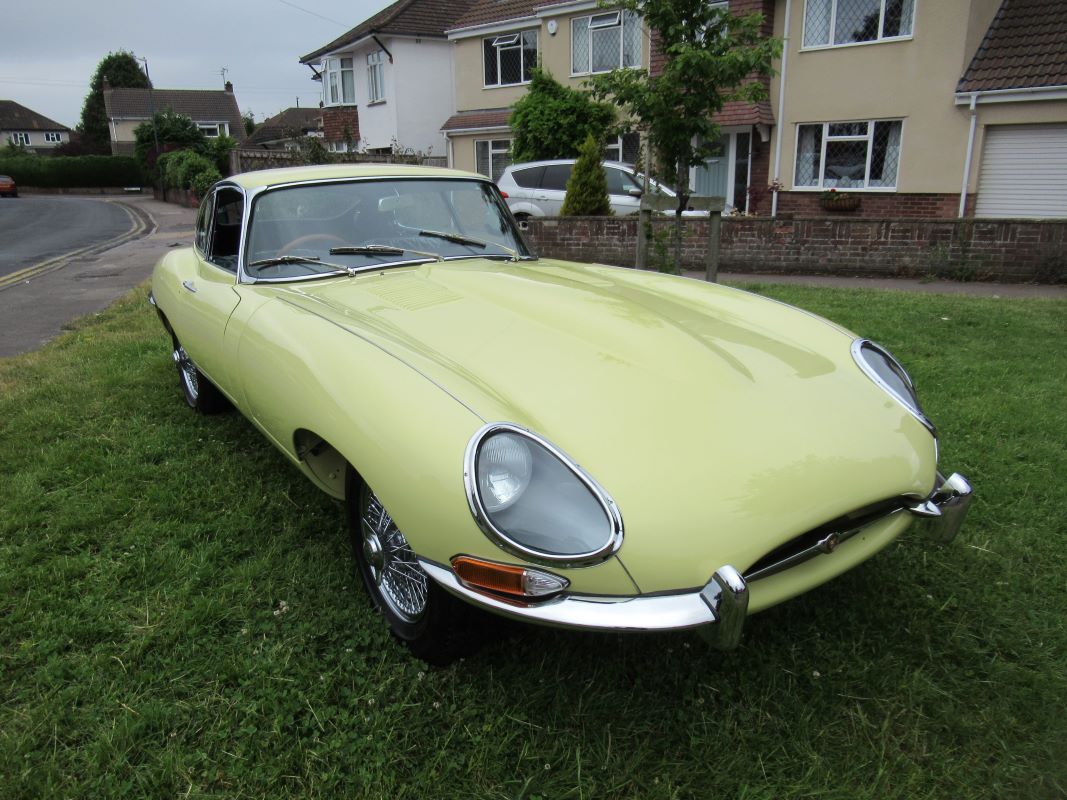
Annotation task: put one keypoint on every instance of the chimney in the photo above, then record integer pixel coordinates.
(229, 87)
(106, 84)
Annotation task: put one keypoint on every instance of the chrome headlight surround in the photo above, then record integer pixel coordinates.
(613, 526)
(908, 397)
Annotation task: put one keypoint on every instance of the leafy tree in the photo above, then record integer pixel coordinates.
(552, 120)
(175, 131)
(587, 188)
(712, 57)
(122, 72)
(248, 119)
(218, 150)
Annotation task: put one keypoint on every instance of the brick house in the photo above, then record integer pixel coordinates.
(215, 112)
(284, 130)
(24, 127)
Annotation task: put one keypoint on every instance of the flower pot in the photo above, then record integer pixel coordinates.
(848, 202)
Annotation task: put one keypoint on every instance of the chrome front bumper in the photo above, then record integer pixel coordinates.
(718, 610)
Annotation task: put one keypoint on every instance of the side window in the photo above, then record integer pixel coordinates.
(619, 182)
(528, 178)
(203, 222)
(226, 232)
(556, 177)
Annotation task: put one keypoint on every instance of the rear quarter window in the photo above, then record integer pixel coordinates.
(528, 178)
(556, 177)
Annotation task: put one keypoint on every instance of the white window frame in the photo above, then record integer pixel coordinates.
(622, 20)
(376, 76)
(219, 128)
(616, 143)
(20, 138)
(821, 164)
(879, 39)
(499, 44)
(497, 152)
(334, 71)
(53, 137)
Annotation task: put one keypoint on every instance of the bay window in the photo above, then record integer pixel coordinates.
(376, 76)
(848, 155)
(603, 42)
(339, 83)
(829, 23)
(510, 58)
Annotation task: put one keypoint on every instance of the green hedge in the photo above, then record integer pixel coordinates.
(72, 171)
(185, 169)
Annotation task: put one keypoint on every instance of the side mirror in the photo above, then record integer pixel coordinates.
(634, 192)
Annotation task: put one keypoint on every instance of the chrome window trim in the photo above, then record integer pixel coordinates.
(252, 194)
(869, 371)
(481, 516)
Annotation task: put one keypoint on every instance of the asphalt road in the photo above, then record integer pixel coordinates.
(36, 228)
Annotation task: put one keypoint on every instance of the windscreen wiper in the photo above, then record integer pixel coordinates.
(273, 262)
(381, 250)
(455, 238)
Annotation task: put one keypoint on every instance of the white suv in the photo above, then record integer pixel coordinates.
(537, 188)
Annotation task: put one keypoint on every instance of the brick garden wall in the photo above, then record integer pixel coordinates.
(968, 249)
(878, 206)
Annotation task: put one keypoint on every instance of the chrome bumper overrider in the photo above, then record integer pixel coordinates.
(718, 610)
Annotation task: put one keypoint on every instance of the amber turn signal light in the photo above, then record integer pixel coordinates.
(506, 578)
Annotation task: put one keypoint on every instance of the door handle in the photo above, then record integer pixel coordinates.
(190, 286)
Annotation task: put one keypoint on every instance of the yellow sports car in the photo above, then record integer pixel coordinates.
(574, 445)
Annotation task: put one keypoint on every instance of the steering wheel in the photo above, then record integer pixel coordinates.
(312, 241)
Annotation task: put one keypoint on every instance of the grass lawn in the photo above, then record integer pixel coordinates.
(179, 618)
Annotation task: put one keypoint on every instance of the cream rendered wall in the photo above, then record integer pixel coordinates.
(463, 149)
(914, 80)
(124, 128)
(554, 53)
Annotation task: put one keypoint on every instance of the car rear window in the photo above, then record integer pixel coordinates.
(556, 176)
(528, 178)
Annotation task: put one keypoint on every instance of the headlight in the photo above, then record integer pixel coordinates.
(880, 366)
(535, 502)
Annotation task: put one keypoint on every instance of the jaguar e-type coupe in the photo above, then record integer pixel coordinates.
(574, 445)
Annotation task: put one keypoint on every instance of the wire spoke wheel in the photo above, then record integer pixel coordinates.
(188, 372)
(401, 582)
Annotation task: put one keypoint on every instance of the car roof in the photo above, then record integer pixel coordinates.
(551, 162)
(283, 175)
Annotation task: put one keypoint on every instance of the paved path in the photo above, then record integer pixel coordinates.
(37, 228)
(36, 309)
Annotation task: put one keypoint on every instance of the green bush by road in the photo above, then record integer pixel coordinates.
(178, 617)
(72, 172)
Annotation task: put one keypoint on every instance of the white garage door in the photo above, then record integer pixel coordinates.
(1024, 172)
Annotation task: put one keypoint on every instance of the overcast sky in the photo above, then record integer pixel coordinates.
(49, 50)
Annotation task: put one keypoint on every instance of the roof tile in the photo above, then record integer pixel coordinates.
(16, 117)
(1025, 47)
(203, 105)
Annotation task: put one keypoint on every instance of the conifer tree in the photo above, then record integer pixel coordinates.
(587, 189)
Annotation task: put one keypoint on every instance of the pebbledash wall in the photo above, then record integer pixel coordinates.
(963, 249)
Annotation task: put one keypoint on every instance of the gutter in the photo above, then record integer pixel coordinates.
(1022, 95)
(781, 106)
(970, 152)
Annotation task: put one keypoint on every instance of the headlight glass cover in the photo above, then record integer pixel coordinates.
(882, 368)
(535, 502)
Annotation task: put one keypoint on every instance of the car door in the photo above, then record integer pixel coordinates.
(553, 188)
(208, 296)
(621, 191)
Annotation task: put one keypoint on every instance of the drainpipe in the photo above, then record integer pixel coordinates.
(781, 105)
(970, 152)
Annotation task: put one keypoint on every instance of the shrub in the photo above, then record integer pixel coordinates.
(73, 171)
(552, 120)
(186, 169)
(175, 132)
(218, 150)
(587, 189)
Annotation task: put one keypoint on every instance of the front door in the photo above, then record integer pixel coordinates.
(725, 174)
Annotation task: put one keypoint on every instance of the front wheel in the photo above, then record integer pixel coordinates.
(435, 626)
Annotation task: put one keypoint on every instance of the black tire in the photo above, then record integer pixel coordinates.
(200, 393)
(434, 625)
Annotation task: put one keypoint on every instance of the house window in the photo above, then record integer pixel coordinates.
(340, 82)
(213, 130)
(625, 148)
(376, 76)
(53, 138)
(492, 156)
(837, 22)
(848, 155)
(510, 58)
(603, 42)
(20, 139)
